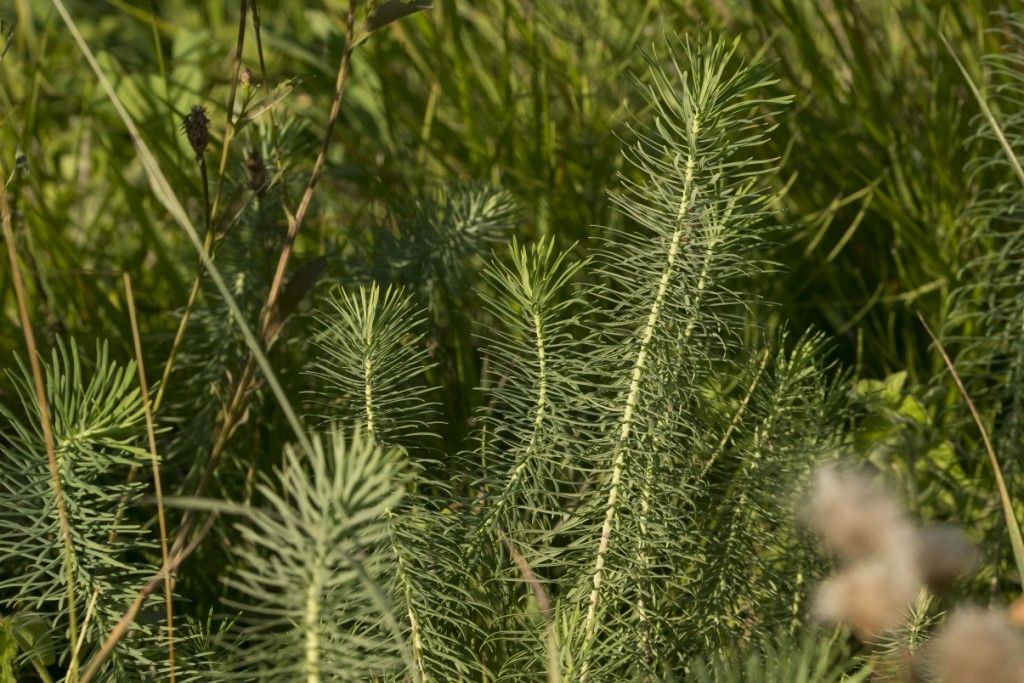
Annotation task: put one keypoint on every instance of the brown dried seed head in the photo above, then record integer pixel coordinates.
(856, 520)
(872, 596)
(978, 646)
(197, 130)
(943, 555)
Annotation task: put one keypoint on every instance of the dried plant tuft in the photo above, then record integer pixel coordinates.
(855, 518)
(978, 645)
(871, 596)
(943, 555)
(886, 559)
(197, 129)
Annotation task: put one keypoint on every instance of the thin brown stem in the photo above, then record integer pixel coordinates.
(295, 222)
(179, 335)
(128, 618)
(275, 139)
(155, 462)
(229, 130)
(233, 409)
(44, 419)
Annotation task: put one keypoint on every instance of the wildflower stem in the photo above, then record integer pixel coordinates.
(229, 129)
(155, 462)
(44, 419)
(1016, 543)
(632, 398)
(295, 222)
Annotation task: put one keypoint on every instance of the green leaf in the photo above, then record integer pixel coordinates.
(26, 633)
(912, 409)
(276, 95)
(387, 13)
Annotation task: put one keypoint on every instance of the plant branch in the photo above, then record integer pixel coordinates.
(1016, 543)
(154, 460)
(44, 419)
(295, 222)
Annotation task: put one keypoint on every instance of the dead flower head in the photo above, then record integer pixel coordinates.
(856, 519)
(978, 646)
(197, 129)
(872, 597)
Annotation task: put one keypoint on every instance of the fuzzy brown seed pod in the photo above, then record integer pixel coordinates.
(943, 555)
(856, 519)
(978, 646)
(257, 169)
(197, 129)
(872, 596)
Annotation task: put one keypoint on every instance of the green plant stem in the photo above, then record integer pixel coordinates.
(1016, 543)
(193, 294)
(626, 421)
(179, 550)
(44, 420)
(295, 222)
(229, 129)
(257, 25)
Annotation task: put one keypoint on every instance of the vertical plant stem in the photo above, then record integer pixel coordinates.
(89, 611)
(129, 615)
(1016, 543)
(539, 414)
(161, 188)
(229, 129)
(275, 138)
(738, 415)
(155, 462)
(311, 619)
(208, 213)
(420, 672)
(621, 448)
(193, 294)
(44, 420)
(161, 63)
(295, 222)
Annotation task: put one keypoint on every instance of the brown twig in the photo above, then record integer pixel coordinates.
(179, 552)
(44, 419)
(126, 620)
(155, 462)
(229, 130)
(295, 222)
(209, 210)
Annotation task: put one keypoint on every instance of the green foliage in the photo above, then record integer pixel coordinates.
(368, 360)
(312, 604)
(556, 424)
(815, 657)
(97, 422)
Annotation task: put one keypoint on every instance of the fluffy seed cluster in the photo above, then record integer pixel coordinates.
(197, 129)
(978, 646)
(885, 560)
